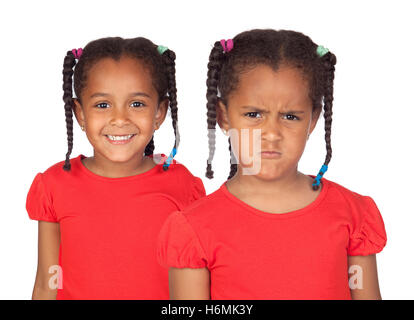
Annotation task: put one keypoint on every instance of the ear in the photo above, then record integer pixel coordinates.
(77, 110)
(222, 115)
(161, 113)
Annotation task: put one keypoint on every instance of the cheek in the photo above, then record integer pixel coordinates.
(145, 121)
(95, 122)
(295, 142)
(246, 141)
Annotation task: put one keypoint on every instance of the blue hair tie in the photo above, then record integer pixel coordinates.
(318, 178)
(169, 159)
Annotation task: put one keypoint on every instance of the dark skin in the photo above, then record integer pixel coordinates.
(118, 102)
(278, 104)
(119, 99)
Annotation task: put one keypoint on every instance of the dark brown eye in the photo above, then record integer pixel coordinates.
(102, 105)
(291, 117)
(252, 114)
(137, 104)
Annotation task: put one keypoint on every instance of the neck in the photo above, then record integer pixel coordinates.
(102, 166)
(285, 184)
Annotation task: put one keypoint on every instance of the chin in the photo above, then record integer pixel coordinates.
(120, 156)
(268, 176)
(266, 172)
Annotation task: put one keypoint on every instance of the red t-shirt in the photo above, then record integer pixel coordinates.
(109, 226)
(253, 254)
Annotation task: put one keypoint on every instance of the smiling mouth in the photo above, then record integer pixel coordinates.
(115, 138)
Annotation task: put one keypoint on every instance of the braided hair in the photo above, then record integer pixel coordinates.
(272, 48)
(161, 64)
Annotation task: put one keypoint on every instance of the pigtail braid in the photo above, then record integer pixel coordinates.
(327, 102)
(169, 61)
(149, 149)
(233, 165)
(213, 77)
(329, 61)
(68, 64)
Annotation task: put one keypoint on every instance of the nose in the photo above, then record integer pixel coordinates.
(271, 130)
(119, 116)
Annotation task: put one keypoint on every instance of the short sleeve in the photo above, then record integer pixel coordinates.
(178, 245)
(38, 201)
(370, 236)
(198, 190)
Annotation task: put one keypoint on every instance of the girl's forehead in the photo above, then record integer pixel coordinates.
(126, 74)
(262, 84)
(124, 66)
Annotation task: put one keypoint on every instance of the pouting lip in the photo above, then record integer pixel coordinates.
(271, 151)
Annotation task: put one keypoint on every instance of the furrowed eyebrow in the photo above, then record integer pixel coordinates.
(253, 108)
(293, 112)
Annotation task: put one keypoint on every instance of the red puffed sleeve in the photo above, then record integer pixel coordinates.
(38, 202)
(369, 236)
(198, 190)
(178, 245)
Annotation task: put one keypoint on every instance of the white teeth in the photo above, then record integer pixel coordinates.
(118, 138)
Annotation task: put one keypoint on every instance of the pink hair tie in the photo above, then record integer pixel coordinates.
(227, 45)
(77, 53)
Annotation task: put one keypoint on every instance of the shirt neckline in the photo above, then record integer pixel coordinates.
(325, 186)
(81, 166)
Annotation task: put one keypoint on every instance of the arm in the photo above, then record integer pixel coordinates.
(48, 255)
(365, 272)
(189, 284)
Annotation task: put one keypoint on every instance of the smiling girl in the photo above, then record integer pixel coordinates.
(99, 216)
(270, 231)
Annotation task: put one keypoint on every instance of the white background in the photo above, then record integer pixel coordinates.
(372, 122)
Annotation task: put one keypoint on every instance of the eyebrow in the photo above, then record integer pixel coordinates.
(263, 110)
(133, 94)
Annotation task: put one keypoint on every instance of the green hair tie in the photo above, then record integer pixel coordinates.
(321, 51)
(161, 49)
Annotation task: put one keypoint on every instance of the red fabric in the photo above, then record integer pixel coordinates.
(253, 254)
(109, 227)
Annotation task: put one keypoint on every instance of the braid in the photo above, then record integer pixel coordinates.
(159, 60)
(213, 77)
(149, 149)
(273, 48)
(68, 64)
(169, 60)
(233, 166)
(328, 98)
(329, 61)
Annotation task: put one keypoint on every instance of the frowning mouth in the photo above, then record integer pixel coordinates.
(270, 154)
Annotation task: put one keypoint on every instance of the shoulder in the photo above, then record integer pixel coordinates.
(40, 203)
(175, 167)
(56, 172)
(206, 208)
(349, 204)
(177, 171)
(345, 196)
